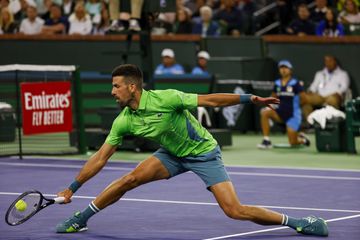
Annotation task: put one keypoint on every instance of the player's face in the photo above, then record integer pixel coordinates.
(123, 93)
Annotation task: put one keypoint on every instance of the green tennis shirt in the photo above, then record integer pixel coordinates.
(163, 116)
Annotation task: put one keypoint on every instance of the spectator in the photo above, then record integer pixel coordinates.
(341, 4)
(302, 25)
(7, 23)
(289, 91)
(329, 87)
(56, 24)
(202, 59)
(350, 14)
(104, 26)
(32, 24)
(169, 65)
(230, 15)
(330, 26)
(206, 26)
(80, 21)
(183, 24)
(120, 19)
(318, 13)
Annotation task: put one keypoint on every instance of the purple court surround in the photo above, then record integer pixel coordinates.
(182, 208)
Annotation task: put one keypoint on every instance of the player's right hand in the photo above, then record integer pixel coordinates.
(67, 194)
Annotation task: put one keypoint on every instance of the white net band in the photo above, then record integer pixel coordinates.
(44, 68)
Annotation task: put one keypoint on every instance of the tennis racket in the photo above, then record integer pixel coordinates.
(35, 202)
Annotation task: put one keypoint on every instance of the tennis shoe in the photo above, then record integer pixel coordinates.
(134, 25)
(72, 225)
(313, 226)
(265, 144)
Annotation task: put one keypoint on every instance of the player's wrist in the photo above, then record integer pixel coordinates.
(74, 186)
(246, 98)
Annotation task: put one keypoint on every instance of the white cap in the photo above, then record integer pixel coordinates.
(203, 54)
(167, 52)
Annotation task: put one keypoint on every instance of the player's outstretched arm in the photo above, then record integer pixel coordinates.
(90, 169)
(228, 99)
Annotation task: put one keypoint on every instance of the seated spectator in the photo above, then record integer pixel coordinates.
(202, 59)
(56, 24)
(290, 91)
(32, 24)
(169, 65)
(340, 5)
(206, 26)
(183, 24)
(231, 15)
(328, 87)
(330, 27)
(318, 13)
(350, 14)
(7, 23)
(105, 23)
(80, 21)
(302, 25)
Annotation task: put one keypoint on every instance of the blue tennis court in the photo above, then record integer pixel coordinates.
(182, 208)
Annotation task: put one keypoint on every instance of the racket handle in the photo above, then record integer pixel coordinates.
(59, 199)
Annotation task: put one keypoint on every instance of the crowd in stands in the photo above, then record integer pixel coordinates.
(203, 17)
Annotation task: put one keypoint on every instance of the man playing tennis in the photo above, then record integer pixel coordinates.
(164, 116)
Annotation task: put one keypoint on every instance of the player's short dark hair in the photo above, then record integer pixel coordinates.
(131, 74)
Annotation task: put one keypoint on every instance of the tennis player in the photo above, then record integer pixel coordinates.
(164, 116)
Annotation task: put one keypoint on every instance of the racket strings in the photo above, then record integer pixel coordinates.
(32, 201)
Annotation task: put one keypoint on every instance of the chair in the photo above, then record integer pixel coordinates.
(352, 123)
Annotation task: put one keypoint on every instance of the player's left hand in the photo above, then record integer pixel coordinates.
(265, 101)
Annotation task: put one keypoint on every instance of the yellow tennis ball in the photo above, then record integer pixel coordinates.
(21, 205)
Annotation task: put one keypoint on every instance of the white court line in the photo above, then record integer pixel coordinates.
(197, 203)
(294, 176)
(231, 173)
(275, 229)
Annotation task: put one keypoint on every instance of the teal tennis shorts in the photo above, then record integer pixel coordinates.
(209, 166)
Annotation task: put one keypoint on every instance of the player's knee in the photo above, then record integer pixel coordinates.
(131, 180)
(236, 212)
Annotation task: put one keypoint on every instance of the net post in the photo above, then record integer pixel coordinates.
(79, 109)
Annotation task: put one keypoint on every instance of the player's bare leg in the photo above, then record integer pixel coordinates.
(149, 170)
(226, 197)
(229, 202)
